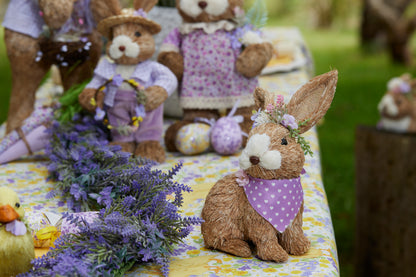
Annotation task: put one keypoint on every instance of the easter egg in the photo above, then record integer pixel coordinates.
(226, 136)
(193, 138)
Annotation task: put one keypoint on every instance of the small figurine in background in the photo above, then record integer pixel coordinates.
(397, 108)
(16, 248)
(41, 33)
(263, 202)
(216, 59)
(128, 89)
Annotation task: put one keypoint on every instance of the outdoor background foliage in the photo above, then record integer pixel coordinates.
(331, 29)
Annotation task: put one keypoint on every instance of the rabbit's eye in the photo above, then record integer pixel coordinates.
(137, 34)
(284, 141)
(17, 205)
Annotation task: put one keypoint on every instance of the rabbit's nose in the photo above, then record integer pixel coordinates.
(254, 160)
(202, 4)
(122, 48)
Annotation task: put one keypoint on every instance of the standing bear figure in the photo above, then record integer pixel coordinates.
(216, 60)
(397, 108)
(127, 87)
(41, 33)
(263, 203)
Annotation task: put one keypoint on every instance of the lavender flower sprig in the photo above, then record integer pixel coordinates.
(136, 224)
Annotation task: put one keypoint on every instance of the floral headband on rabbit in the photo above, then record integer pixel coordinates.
(277, 113)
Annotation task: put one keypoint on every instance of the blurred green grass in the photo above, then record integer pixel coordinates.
(362, 82)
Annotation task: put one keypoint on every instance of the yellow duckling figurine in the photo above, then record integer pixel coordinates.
(16, 242)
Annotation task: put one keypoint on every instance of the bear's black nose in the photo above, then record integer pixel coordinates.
(202, 4)
(254, 160)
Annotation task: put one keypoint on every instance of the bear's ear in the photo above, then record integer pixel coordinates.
(146, 5)
(104, 8)
(312, 100)
(262, 98)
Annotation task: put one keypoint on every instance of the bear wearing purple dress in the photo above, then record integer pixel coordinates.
(210, 80)
(213, 68)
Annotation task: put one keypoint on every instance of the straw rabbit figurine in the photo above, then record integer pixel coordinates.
(397, 108)
(263, 203)
(209, 60)
(41, 33)
(128, 87)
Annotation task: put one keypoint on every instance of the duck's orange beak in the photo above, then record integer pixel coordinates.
(7, 214)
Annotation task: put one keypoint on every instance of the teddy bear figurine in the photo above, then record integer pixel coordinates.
(41, 33)
(128, 89)
(397, 107)
(216, 60)
(263, 203)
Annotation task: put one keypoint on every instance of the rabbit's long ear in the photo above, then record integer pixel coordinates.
(146, 5)
(262, 98)
(313, 99)
(104, 8)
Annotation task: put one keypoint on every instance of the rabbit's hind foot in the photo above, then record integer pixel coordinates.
(236, 247)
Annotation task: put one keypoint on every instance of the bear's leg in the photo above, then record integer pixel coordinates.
(27, 75)
(151, 150)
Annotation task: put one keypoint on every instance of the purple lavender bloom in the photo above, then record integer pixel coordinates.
(77, 192)
(105, 197)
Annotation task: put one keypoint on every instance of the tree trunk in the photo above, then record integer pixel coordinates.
(385, 208)
(371, 31)
(375, 28)
(398, 47)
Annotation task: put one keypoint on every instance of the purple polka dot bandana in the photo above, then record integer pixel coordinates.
(277, 201)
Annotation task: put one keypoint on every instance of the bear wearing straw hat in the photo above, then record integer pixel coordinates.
(128, 90)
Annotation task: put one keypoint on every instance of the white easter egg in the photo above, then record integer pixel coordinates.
(226, 136)
(193, 139)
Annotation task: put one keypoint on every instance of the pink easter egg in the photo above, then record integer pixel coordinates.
(226, 136)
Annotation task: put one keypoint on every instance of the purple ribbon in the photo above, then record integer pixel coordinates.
(16, 227)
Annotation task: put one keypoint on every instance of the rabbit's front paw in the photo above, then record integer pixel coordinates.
(298, 245)
(271, 250)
